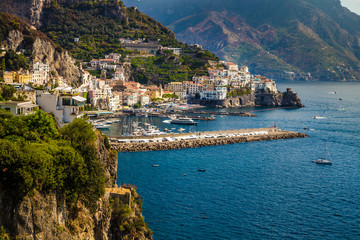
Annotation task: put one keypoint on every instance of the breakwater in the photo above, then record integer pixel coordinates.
(219, 138)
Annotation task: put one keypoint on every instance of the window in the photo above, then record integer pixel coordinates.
(66, 101)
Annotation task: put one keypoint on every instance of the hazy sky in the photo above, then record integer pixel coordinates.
(353, 5)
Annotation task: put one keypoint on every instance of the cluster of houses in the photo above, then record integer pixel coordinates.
(215, 86)
(39, 75)
(117, 92)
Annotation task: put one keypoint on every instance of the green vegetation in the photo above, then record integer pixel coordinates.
(238, 92)
(171, 96)
(3, 234)
(168, 68)
(99, 25)
(127, 219)
(35, 155)
(14, 62)
(7, 93)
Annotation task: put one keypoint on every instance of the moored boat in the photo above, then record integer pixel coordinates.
(183, 121)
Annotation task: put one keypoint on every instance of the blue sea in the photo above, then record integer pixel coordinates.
(259, 190)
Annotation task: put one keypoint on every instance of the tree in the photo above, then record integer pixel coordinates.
(42, 123)
(197, 96)
(7, 92)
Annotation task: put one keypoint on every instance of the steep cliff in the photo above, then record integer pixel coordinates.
(18, 36)
(285, 99)
(54, 189)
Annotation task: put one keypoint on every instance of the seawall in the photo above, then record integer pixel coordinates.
(205, 142)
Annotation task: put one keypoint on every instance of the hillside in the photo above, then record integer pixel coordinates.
(100, 26)
(319, 37)
(34, 46)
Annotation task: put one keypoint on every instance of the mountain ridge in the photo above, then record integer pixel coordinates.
(317, 37)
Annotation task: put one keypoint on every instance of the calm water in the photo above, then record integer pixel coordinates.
(261, 190)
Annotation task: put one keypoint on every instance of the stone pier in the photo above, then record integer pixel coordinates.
(273, 134)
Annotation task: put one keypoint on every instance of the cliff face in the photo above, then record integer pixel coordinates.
(47, 216)
(43, 50)
(286, 99)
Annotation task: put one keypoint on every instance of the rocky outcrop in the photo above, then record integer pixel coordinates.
(60, 62)
(286, 99)
(195, 143)
(43, 50)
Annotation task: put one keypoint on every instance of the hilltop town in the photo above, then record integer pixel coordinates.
(106, 85)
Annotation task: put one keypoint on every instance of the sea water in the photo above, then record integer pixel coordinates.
(259, 190)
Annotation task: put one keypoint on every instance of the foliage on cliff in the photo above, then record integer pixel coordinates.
(35, 155)
(127, 221)
(99, 25)
(12, 61)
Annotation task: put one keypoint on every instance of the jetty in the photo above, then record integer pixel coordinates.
(199, 139)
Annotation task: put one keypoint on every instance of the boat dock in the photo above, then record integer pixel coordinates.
(199, 139)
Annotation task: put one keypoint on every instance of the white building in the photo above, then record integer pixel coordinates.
(216, 93)
(40, 73)
(65, 107)
(19, 107)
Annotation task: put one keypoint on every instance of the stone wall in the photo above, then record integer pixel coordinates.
(194, 143)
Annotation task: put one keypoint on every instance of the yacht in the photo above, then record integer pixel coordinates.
(102, 126)
(183, 121)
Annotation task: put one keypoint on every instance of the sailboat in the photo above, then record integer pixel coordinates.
(324, 161)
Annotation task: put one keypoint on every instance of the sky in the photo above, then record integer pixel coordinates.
(352, 5)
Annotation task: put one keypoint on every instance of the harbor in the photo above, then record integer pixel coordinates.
(199, 139)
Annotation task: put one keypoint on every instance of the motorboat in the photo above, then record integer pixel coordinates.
(318, 117)
(183, 121)
(102, 126)
(201, 170)
(181, 130)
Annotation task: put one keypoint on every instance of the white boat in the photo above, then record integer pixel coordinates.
(102, 126)
(319, 117)
(181, 130)
(323, 160)
(183, 121)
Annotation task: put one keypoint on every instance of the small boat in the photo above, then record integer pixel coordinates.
(102, 126)
(155, 165)
(318, 117)
(201, 170)
(306, 128)
(340, 99)
(181, 130)
(323, 160)
(116, 121)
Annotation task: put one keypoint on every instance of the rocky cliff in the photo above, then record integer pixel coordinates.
(48, 216)
(21, 37)
(285, 99)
